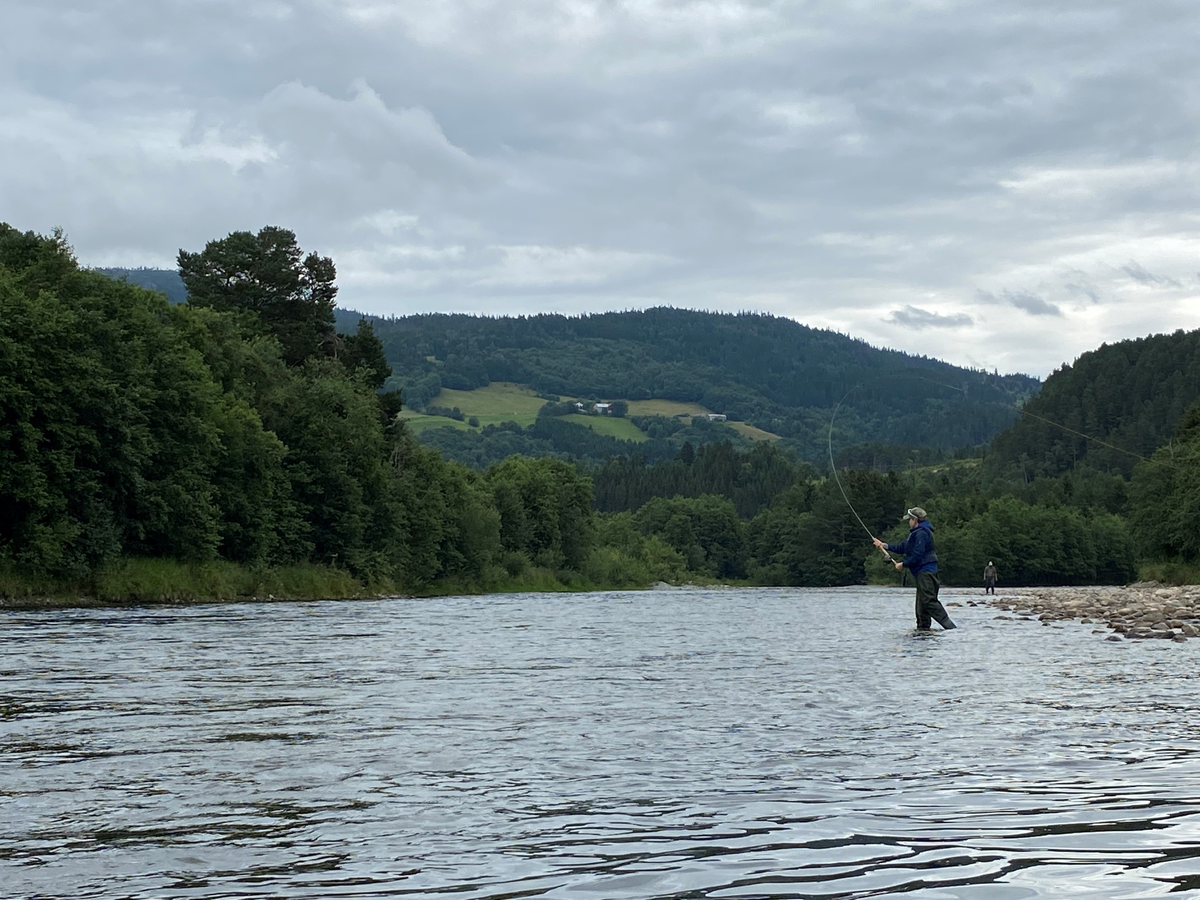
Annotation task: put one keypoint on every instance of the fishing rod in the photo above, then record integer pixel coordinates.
(833, 467)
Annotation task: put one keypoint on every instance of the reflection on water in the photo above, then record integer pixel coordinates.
(690, 744)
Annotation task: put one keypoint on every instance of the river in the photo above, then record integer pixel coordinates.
(719, 743)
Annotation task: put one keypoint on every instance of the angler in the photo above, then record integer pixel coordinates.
(921, 560)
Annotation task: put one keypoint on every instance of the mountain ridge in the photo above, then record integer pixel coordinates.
(774, 373)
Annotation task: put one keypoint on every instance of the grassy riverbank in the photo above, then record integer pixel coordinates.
(1178, 573)
(133, 581)
(167, 581)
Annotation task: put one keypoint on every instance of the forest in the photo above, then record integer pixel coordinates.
(773, 373)
(247, 441)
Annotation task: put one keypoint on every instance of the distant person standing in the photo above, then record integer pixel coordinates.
(989, 578)
(920, 559)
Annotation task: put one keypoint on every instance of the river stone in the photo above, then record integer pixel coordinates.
(1141, 611)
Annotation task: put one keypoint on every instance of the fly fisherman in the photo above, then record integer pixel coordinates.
(920, 559)
(989, 578)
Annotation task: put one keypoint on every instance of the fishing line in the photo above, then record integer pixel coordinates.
(963, 391)
(1025, 412)
(833, 467)
(1088, 437)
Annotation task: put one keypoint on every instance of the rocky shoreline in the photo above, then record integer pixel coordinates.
(1136, 612)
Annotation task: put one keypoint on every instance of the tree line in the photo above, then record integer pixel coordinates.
(237, 426)
(243, 426)
(1092, 510)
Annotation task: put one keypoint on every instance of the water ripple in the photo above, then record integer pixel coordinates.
(687, 744)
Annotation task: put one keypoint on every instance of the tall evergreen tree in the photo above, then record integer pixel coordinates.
(268, 276)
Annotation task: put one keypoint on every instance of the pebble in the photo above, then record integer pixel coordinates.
(1141, 611)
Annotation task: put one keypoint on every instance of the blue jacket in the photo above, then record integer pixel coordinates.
(918, 549)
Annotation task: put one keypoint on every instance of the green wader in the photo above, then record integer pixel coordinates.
(929, 607)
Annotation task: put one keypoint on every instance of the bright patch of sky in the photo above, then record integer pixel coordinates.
(1000, 184)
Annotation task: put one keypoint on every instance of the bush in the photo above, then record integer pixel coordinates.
(1037, 545)
(624, 557)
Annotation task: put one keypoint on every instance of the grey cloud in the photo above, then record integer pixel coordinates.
(915, 317)
(1024, 300)
(362, 131)
(829, 162)
(1032, 304)
(1138, 273)
(1082, 286)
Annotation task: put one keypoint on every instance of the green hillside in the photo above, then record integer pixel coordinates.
(621, 429)
(482, 429)
(779, 378)
(1128, 397)
(492, 404)
(774, 374)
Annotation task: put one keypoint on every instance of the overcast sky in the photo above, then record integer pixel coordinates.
(999, 184)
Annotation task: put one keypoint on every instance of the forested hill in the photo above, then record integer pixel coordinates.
(774, 373)
(165, 281)
(1130, 395)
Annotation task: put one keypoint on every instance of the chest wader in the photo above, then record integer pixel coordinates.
(929, 607)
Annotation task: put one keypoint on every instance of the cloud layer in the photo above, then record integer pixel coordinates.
(1002, 185)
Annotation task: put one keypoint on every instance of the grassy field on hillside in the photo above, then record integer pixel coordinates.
(672, 409)
(418, 422)
(503, 401)
(500, 401)
(618, 428)
(755, 434)
(668, 408)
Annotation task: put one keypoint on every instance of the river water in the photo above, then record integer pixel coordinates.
(683, 744)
